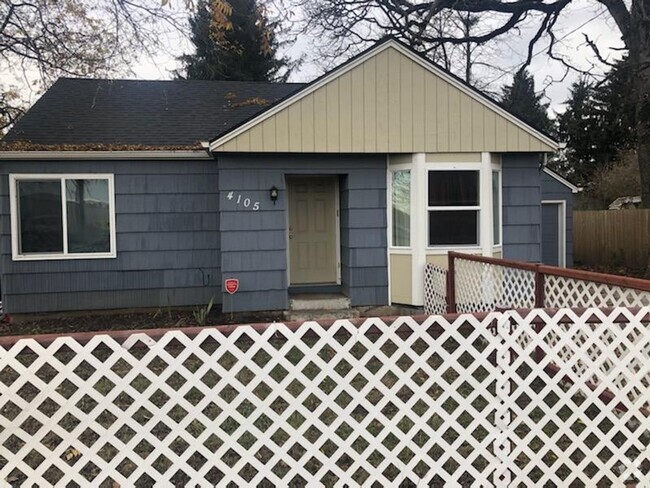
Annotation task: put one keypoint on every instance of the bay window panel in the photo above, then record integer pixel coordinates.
(453, 188)
(41, 217)
(453, 227)
(87, 207)
(401, 208)
(496, 207)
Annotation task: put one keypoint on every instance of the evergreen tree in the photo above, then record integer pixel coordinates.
(578, 129)
(233, 40)
(598, 124)
(520, 99)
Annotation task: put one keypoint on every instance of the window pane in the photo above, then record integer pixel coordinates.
(40, 216)
(496, 211)
(453, 188)
(401, 198)
(88, 217)
(457, 227)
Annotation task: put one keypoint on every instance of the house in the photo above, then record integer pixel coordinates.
(151, 193)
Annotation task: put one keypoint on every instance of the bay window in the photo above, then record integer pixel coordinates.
(401, 208)
(453, 208)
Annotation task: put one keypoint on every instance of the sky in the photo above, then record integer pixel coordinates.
(582, 17)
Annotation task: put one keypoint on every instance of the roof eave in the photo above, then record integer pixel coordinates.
(132, 155)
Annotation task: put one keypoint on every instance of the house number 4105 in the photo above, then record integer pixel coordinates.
(245, 201)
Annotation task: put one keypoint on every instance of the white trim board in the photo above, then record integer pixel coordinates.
(93, 155)
(337, 72)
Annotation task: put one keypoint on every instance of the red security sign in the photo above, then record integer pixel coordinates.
(232, 285)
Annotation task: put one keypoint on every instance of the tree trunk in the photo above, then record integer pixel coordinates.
(638, 44)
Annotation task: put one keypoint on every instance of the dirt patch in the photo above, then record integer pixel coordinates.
(54, 323)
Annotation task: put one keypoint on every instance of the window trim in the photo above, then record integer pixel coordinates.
(473, 167)
(497, 169)
(62, 177)
(392, 169)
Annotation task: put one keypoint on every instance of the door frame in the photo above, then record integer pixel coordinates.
(561, 223)
(337, 221)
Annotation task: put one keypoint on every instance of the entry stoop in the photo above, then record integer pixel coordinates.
(319, 306)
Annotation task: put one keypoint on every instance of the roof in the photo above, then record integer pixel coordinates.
(625, 202)
(77, 112)
(402, 74)
(563, 181)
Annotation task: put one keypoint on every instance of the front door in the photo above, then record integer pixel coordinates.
(312, 230)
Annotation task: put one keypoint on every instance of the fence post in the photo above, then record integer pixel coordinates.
(539, 303)
(451, 283)
(539, 288)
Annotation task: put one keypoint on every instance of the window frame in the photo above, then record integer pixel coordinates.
(393, 169)
(497, 169)
(14, 206)
(473, 167)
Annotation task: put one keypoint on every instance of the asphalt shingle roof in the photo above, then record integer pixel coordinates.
(147, 113)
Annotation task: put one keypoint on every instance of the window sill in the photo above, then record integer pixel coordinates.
(446, 249)
(62, 257)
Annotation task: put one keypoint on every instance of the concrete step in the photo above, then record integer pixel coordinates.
(321, 301)
(305, 315)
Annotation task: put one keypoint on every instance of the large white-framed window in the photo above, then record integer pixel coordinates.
(400, 208)
(62, 216)
(453, 207)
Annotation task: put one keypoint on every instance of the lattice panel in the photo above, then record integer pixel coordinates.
(561, 292)
(484, 287)
(382, 402)
(435, 290)
(564, 427)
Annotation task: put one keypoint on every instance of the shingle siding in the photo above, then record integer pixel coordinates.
(522, 195)
(168, 245)
(259, 257)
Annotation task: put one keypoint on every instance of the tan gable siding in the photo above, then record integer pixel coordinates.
(388, 103)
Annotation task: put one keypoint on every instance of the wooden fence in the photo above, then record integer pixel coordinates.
(612, 237)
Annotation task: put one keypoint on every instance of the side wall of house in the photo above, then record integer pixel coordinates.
(554, 190)
(522, 211)
(254, 242)
(167, 229)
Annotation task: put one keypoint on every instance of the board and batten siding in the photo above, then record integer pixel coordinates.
(522, 212)
(388, 104)
(554, 190)
(254, 243)
(167, 229)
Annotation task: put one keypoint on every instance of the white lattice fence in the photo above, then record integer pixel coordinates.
(484, 287)
(561, 292)
(435, 286)
(580, 416)
(352, 403)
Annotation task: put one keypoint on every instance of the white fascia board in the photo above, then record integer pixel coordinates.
(559, 179)
(77, 155)
(361, 59)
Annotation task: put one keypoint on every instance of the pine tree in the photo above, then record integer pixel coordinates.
(598, 124)
(520, 99)
(233, 40)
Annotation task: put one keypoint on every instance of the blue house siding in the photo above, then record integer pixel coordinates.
(522, 195)
(554, 190)
(167, 229)
(254, 243)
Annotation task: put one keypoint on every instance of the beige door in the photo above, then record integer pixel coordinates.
(312, 230)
